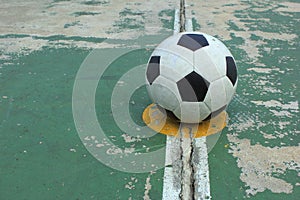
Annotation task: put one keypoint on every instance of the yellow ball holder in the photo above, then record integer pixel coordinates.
(160, 122)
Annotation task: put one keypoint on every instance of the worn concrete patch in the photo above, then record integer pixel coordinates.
(114, 20)
(231, 20)
(263, 127)
(262, 167)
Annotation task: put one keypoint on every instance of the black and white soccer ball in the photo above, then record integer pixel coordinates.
(193, 75)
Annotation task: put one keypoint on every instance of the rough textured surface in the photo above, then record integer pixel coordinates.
(201, 169)
(264, 116)
(79, 23)
(172, 172)
(187, 172)
(262, 166)
(42, 45)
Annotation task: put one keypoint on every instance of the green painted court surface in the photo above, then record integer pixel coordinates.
(42, 157)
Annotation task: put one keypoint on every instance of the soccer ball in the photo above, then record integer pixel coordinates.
(193, 75)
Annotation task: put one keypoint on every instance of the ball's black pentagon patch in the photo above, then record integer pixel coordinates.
(193, 87)
(231, 71)
(153, 69)
(193, 41)
(215, 113)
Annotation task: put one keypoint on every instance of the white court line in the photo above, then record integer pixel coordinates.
(189, 25)
(176, 22)
(171, 185)
(201, 171)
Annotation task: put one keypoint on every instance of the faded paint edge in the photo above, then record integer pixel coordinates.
(176, 22)
(172, 183)
(201, 169)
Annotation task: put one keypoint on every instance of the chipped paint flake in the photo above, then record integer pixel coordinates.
(73, 150)
(129, 139)
(224, 15)
(41, 20)
(293, 105)
(265, 70)
(260, 165)
(148, 187)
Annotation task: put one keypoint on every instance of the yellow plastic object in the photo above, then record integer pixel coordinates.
(159, 121)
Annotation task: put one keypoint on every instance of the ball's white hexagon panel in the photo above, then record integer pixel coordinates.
(192, 112)
(217, 57)
(229, 90)
(170, 44)
(217, 44)
(216, 95)
(173, 66)
(205, 65)
(164, 92)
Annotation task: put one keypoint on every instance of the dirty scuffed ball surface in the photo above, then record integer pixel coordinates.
(193, 75)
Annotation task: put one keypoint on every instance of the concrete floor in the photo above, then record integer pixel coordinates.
(44, 43)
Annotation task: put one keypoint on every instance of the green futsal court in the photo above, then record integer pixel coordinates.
(43, 46)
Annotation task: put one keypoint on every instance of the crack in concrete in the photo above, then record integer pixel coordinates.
(193, 182)
(182, 166)
(182, 15)
(187, 171)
